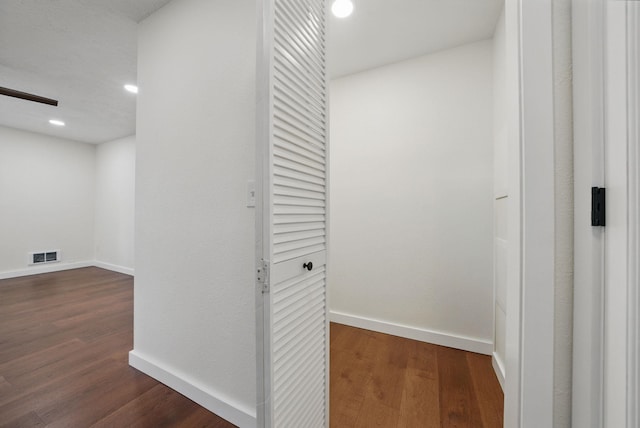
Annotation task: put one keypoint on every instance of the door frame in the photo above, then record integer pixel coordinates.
(633, 367)
(606, 111)
(531, 218)
(588, 295)
(622, 97)
(264, 123)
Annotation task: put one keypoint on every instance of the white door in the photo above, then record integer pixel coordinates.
(292, 159)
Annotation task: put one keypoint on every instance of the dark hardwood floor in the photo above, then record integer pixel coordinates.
(64, 343)
(379, 380)
(64, 340)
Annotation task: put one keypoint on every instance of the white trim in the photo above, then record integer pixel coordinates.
(633, 165)
(617, 231)
(450, 340)
(115, 268)
(58, 267)
(529, 359)
(212, 400)
(36, 270)
(588, 121)
(327, 225)
(538, 201)
(513, 349)
(264, 100)
(498, 368)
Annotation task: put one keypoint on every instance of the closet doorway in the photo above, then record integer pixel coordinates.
(416, 186)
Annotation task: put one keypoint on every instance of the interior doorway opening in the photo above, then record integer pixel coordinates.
(418, 186)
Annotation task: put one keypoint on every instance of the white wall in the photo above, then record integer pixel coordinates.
(411, 198)
(194, 319)
(46, 202)
(65, 195)
(501, 196)
(115, 200)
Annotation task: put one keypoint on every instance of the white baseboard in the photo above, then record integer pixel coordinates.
(236, 414)
(48, 268)
(498, 367)
(115, 268)
(58, 267)
(437, 338)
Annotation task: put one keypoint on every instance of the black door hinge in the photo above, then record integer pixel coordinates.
(598, 206)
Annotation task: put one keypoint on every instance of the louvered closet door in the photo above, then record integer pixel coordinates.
(295, 342)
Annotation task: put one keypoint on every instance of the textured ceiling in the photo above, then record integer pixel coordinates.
(82, 52)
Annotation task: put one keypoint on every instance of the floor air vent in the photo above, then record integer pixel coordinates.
(40, 257)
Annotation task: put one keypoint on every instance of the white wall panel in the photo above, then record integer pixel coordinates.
(195, 236)
(47, 199)
(115, 201)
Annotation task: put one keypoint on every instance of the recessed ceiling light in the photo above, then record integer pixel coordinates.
(56, 122)
(342, 8)
(131, 88)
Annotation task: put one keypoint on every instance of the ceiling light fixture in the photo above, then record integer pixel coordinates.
(131, 88)
(56, 122)
(342, 8)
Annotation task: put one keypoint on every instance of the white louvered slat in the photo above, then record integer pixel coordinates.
(288, 106)
(288, 97)
(294, 244)
(284, 182)
(297, 327)
(303, 388)
(286, 361)
(298, 201)
(290, 43)
(292, 144)
(285, 210)
(297, 109)
(297, 253)
(306, 134)
(297, 236)
(299, 219)
(298, 134)
(299, 92)
(287, 64)
(309, 35)
(296, 175)
(291, 164)
(299, 44)
(300, 193)
(296, 227)
(299, 353)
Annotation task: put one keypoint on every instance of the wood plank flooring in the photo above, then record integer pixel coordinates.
(379, 380)
(64, 343)
(64, 340)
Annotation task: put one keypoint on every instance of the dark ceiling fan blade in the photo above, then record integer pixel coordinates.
(27, 96)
